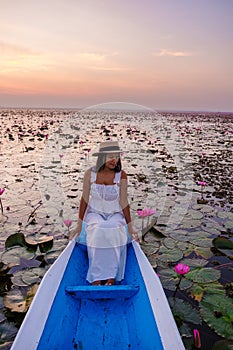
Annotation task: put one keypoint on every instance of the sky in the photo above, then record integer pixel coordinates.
(162, 54)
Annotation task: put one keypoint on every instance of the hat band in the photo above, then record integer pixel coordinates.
(109, 148)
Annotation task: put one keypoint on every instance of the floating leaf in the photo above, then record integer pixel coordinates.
(7, 331)
(190, 223)
(151, 238)
(15, 239)
(222, 243)
(193, 214)
(2, 316)
(197, 292)
(13, 255)
(169, 243)
(170, 279)
(223, 345)
(195, 262)
(184, 310)
(149, 249)
(218, 314)
(17, 279)
(16, 302)
(31, 244)
(228, 224)
(199, 251)
(45, 244)
(204, 275)
(183, 246)
(215, 288)
(225, 215)
(33, 276)
(201, 242)
(168, 255)
(153, 260)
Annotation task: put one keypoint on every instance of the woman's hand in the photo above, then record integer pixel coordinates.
(133, 233)
(76, 231)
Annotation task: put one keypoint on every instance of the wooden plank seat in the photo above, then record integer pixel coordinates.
(102, 292)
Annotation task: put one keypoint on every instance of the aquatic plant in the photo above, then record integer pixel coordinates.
(2, 190)
(146, 212)
(68, 223)
(202, 200)
(197, 338)
(181, 270)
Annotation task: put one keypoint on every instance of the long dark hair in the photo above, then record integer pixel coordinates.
(101, 161)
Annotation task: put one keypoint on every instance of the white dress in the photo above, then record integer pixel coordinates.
(106, 234)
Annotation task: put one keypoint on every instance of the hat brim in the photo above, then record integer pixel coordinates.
(106, 152)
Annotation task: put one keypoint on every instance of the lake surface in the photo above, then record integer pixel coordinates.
(44, 154)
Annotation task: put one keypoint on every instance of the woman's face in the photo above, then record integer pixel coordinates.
(112, 160)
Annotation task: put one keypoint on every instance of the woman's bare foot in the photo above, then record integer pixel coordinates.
(96, 283)
(110, 282)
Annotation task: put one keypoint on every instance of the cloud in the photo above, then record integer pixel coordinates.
(166, 53)
(101, 68)
(11, 49)
(91, 56)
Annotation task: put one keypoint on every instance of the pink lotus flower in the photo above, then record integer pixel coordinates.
(181, 269)
(197, 338)
(68, 222)
(202, 183)
(146, 212)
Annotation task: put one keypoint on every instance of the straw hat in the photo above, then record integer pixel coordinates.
(108, 147)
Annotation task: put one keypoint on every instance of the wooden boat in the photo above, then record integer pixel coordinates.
(68, 313)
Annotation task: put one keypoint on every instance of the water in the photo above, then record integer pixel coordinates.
(44, 154)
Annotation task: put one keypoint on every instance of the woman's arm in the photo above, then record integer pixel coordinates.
(83, 203)
(125, 204)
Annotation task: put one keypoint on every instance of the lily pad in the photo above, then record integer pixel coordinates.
(201, 242)
(13, 255)
(7, 331)
(153, 260)
(222, 243)
(203, 275)
(27, 277)
(16, 302)
(225, 215)
(223, 345)
(228, 224)
(184, 310)
(195, 262)
(170, 279)
(169, 255)
(33, 276)
(149, 249)
(169, 243)
(190, 223)
(193, 214)
(45, 244)
(199, 251)
(197, 290)
(15, 239)
(218, 314)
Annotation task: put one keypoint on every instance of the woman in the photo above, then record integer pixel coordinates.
(105, 210)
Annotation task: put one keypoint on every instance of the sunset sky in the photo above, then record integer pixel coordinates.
(163, 54)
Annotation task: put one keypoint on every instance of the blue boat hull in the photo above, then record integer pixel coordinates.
(69, 313)
(100, 317)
